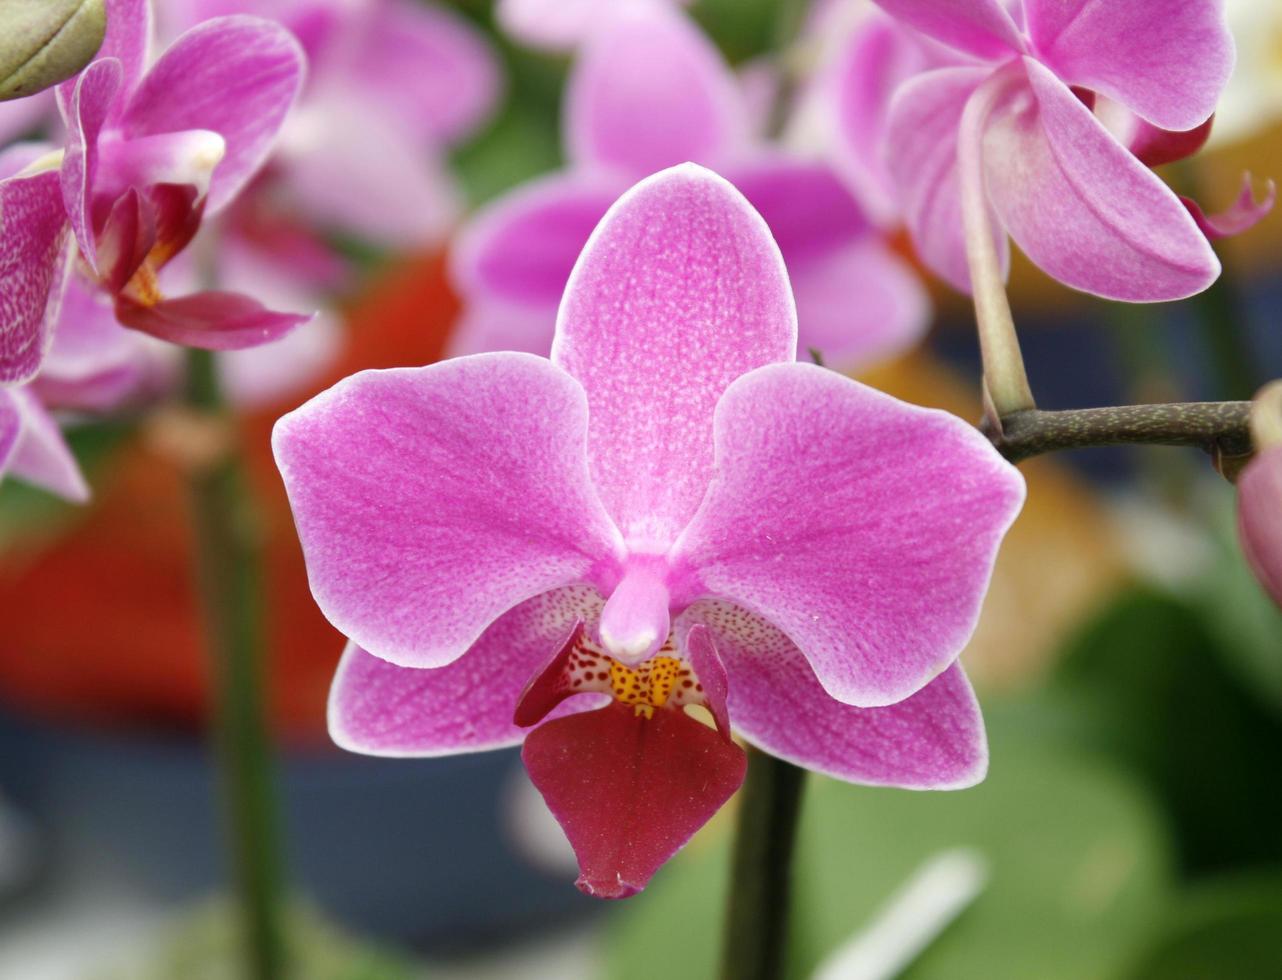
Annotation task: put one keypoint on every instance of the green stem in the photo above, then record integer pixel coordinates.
(1220, 428)
(228, 577)
(756, 925)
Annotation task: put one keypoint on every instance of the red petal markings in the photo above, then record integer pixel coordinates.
(630, 791)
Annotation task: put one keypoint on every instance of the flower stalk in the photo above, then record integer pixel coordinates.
(230, 585)
(756, 925)
(1222, 429)
(1005, 380)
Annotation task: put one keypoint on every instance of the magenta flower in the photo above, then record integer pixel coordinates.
(147, 155)
(669, 512)
(392, 85)
(650, 91)
(1077, 201)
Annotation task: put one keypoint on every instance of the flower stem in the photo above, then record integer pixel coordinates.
(1220, 428)
(1005, 379)
(228, 578)
(761, 875)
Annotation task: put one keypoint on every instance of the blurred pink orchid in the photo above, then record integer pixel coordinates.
(1016, 106)
(32, 448)
(555, 25)
(649, 91)
(1260, 518)
(392, 85)
(148, 152)
(1260, 493)
(669, 512)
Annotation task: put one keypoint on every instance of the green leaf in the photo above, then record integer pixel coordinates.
(1147, 684)
(1226, 930)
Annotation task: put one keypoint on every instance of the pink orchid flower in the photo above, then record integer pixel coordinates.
(148, 153)
(650, 91)
(92, 365)
(555, 25)
(863, 55)
(392, 85)
(1017, 108)
(669, 512)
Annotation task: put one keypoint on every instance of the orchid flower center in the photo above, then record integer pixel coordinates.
(665, 681)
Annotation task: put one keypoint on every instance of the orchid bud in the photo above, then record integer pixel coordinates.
(44, 42)
(1260, 493)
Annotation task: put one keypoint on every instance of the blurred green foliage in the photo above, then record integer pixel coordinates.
(205, 946)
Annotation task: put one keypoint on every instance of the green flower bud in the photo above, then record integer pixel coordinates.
(44, 42)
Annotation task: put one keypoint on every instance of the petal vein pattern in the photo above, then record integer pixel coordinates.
(679, 291)
(862, 527)
(429, 501)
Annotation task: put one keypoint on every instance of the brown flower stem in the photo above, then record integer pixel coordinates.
(231, 591)
(756, 925)
(1220, 428)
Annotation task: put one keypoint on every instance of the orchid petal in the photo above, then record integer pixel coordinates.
(522, 248)
(1153, 146)
(1081, 206)
(94, 97)
(553, 25)
(41, 456)
(34, 263)
(809, 211)
(859, 305)
(426, 65)
(983, 28)
(1260, 518)
(94, 363)
(701, 650)
(650, 91)
(237, 76)
(128, 234)
(921, 145)
(630, 791)
(430, 501)
(378, 708)
(1243, 215)
(1168, 62)
(680, 290)
(286, 367)
(931, 740)
(360, 173)
(862, 527)
(208, 320)
(128, 39)
(878, 57)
